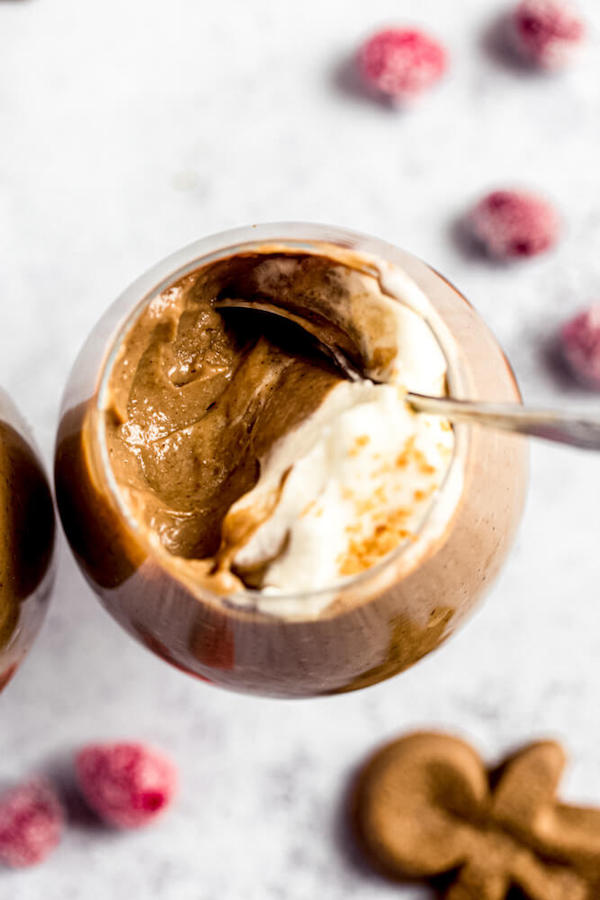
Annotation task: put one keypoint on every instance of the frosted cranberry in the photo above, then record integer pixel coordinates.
(126, 784)
(580, 339)
(546, 32)
(402, 62)
(513, 224)
(31, 823)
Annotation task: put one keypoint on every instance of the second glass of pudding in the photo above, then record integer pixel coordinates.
(26, 539)
(258, 515)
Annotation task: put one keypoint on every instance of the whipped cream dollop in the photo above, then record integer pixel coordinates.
(355, 480)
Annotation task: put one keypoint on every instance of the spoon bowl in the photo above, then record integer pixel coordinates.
(558, 426)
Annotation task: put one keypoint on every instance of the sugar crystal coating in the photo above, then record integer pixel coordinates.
(511, 224)
(31, 823)
(546, 32)
(402, 62)
(580, 339)
(126, 784)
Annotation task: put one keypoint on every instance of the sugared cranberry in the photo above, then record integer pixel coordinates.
(31, 823)
(580, 339)
(513, 224)
(402, 62)
(546, 32)
(126, 784)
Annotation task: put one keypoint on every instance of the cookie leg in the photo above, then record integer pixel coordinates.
(541, 882)
(475, 883)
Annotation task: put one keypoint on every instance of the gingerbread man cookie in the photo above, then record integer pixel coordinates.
(426, 806)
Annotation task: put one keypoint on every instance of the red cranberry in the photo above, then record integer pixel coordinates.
(546, 32)
(31, 823)
(126, 784)
(513, 224)
(580, 339)
(402, 62)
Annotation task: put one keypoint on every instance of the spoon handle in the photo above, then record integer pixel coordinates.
(574, 429)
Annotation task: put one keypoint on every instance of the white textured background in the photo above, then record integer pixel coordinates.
(131, 127)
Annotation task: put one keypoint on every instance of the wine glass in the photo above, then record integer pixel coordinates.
(376, 623)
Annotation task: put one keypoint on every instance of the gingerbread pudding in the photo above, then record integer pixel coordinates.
(26, 540)
(261, 515)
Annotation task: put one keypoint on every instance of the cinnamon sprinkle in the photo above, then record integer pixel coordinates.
(407, 455)
(360, 442)
(421, 495)
(363, 552)
(309, 506)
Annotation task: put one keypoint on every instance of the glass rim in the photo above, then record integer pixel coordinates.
(307, 238)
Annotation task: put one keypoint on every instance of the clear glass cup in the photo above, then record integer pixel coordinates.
(26, 540)
(380, 621)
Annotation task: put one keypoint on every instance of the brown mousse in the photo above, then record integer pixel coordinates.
(26, 528)
(201, 395)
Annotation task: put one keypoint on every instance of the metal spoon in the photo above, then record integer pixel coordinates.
(562, 427)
